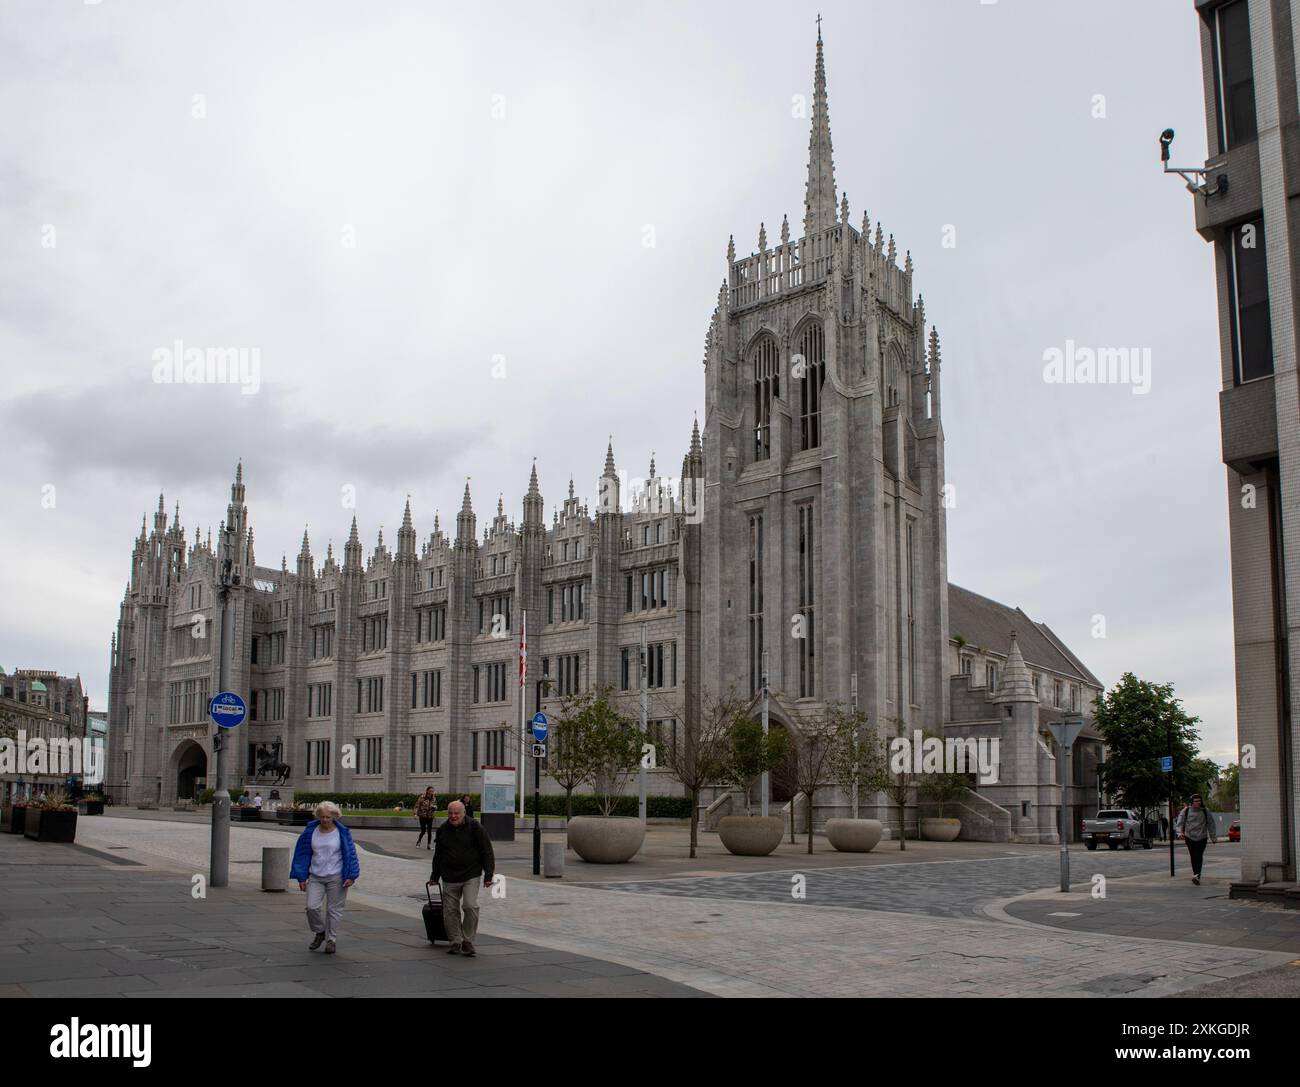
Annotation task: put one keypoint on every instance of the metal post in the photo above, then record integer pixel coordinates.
(537, 815)
(219, 863)
(764, 787)
(1169, 731)
(1065, 820)
(644, 658)
(853, 697)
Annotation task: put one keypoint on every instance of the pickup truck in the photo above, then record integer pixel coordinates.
(1115, 827)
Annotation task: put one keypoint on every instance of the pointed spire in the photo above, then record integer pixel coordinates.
(697, 450)
(465, 506)
(907, 263)
(731, 249)
(610, 470)
(819, 195)
(465, 521)
(532, 480)
(652, 464)
(934, 347)
(501, 504)
(352, 549)
(239, 471)
(866, 224)
(880, 236)
(437, 522)
(534, 511)
(406, 515)
(785, 229)
(306, 545)
(571, 486)
(762, 237)
(1017, 684)
(844, 209)
(893, 250)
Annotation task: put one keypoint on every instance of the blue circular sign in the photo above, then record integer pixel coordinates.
(540, 727)
(227, 710)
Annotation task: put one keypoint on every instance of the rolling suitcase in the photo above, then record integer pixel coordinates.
(434, 927)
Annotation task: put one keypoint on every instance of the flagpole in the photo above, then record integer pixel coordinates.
(523, 673)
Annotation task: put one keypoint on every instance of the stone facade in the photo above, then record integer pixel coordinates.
(806, 532)
(1249, 54)
(39, 705)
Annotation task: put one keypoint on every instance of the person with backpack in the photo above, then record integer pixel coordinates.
(1196, 824)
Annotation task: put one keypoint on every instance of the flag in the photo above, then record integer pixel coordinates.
(523, 651)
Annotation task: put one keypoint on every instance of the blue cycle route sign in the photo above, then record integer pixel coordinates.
(227, 710)
(1167, 764)
(540, 727)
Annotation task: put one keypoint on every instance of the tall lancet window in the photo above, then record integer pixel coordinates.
(767, 387)
(810, 369)
(755, 602)
(807, 594)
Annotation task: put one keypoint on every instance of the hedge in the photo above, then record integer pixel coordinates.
(657, 807)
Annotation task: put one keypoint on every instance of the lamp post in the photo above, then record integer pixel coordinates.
(765, 786)
(219, 863)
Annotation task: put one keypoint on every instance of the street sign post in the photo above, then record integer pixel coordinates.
(227, 710)
(541, 729)
(1065, 733)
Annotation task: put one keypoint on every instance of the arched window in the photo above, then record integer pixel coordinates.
(767, 387)
(810, 369)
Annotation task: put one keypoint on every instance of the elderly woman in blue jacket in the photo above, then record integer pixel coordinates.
(325, 866)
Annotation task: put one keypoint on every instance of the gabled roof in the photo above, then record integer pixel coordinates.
(987, 624)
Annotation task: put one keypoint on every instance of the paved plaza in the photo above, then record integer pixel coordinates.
(938, 920)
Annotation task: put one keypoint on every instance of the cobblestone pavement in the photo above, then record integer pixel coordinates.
(731, 945)
(935, 888)
(73, 925)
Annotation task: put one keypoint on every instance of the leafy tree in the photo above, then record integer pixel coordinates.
(701, 759)
(568, 761)
(857, 759)
(944, 788)
(1227, 794)
(612, 743)
(898, 783)
(750, 754)
(1141, 722)
(814, 742)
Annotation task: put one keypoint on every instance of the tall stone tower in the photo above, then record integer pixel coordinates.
(823, 531)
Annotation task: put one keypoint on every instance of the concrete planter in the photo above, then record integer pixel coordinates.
(940, 830)
(17, 820)
(600, 840)
(50, 826)
(854, 835)
(92, 807)
(751, 836)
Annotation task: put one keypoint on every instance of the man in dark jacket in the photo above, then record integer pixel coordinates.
(462, 854)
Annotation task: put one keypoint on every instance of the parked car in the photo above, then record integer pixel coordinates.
(1234, 831)
(1116, 827)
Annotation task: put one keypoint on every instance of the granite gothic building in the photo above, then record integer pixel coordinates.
(804, 535)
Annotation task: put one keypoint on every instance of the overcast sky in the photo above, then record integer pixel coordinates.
(463, 237)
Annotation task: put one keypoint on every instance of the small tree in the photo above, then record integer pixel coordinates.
(814, 743)
(944, 788)
(856, 759)
(1227, 793)
(898, 782)
(701, 759)
(750, 754)
(613, 749)
(568, 761)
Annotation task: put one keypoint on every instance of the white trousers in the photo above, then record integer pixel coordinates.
(325, 892)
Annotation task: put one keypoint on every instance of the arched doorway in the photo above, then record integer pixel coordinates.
(191, 763)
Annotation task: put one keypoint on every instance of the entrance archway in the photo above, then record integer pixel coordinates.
(191, 763)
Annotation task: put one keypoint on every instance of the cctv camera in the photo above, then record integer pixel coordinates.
(1166, 138)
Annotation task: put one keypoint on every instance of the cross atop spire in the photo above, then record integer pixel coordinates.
(819, 199)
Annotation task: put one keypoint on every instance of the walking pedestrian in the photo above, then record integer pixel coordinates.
(325, 865)
(469, 806)
(1196, 825)
(1164, 827)
(462, 854)
(425, 807)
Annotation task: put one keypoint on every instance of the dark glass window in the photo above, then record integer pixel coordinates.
(1234, 80)
(1252, 333)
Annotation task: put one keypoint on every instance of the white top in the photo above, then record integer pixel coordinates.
(257, 802)
(326, 853)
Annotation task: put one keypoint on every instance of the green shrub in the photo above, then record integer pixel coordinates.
(657, 807)
(378, 801)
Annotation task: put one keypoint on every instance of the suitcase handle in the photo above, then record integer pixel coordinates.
(429, 896)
